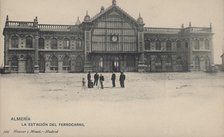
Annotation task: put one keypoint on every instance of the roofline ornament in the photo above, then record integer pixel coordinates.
(114, 2)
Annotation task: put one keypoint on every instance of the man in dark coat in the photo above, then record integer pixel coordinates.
(96, 78)
(122, 79)
(89, 80)
(113, 78)
(101, 80)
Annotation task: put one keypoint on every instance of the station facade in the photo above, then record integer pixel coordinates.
(110, 41)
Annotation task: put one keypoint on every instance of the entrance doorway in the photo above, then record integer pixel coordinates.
(42, 64)
(116, 64)
(78, 64)
(29, 64)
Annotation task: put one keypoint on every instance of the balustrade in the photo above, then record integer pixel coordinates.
(19, 24)
(162, 30)
(177, 30)
(54, 27)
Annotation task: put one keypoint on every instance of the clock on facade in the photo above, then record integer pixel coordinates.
(114, 38)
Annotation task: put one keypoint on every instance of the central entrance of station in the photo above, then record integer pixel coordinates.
(114, 62)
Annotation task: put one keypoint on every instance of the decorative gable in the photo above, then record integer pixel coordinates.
(115, 11)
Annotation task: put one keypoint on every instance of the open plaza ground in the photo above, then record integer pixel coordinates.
(151, 104)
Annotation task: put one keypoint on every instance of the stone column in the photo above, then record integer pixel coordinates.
(36, 64)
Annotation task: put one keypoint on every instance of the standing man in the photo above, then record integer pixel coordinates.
(122, 79)
(113, 78)
(96, 78)
(89, 80)
(101, 80)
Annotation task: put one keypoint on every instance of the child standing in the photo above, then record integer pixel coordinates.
(83, 83)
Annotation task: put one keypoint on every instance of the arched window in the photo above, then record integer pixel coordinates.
(147, 45)
(158, 45)
(41, 43)
(14, 63)
(15, 42)
(54, 63)
(66, 63)
(206, 44)
(79, 44)
(54, 43)
(196, 44)
(178, 44)
(66, 43)
(168, 45)
(29, 42)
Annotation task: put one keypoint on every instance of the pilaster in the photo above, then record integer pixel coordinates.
(36, 64)
(6, 54)
(88, 64)
(141, 63)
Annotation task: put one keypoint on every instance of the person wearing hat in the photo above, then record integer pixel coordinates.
(113, 78)
(101, 80)
(122, 79)
(89, 80)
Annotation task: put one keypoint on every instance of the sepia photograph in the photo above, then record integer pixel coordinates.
(112, 68)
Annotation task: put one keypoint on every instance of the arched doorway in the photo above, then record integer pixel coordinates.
(158, 64)
(179, 65)
(197, 63)
(14, 64)
(78, 64)
(99, 64)
(169, 63)
(116, 64)
(41, 64)
(54, 64)
(66, 64)
(29, 64)
(207, 63)
(148, 63)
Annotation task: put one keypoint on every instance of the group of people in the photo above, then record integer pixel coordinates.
(97, 77)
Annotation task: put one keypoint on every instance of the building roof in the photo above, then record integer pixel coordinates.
(112, 7)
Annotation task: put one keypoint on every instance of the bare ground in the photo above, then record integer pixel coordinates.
(152, 104)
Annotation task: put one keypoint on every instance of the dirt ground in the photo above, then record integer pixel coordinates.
(151, 104)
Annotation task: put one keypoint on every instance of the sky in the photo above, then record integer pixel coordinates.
(156, 13)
